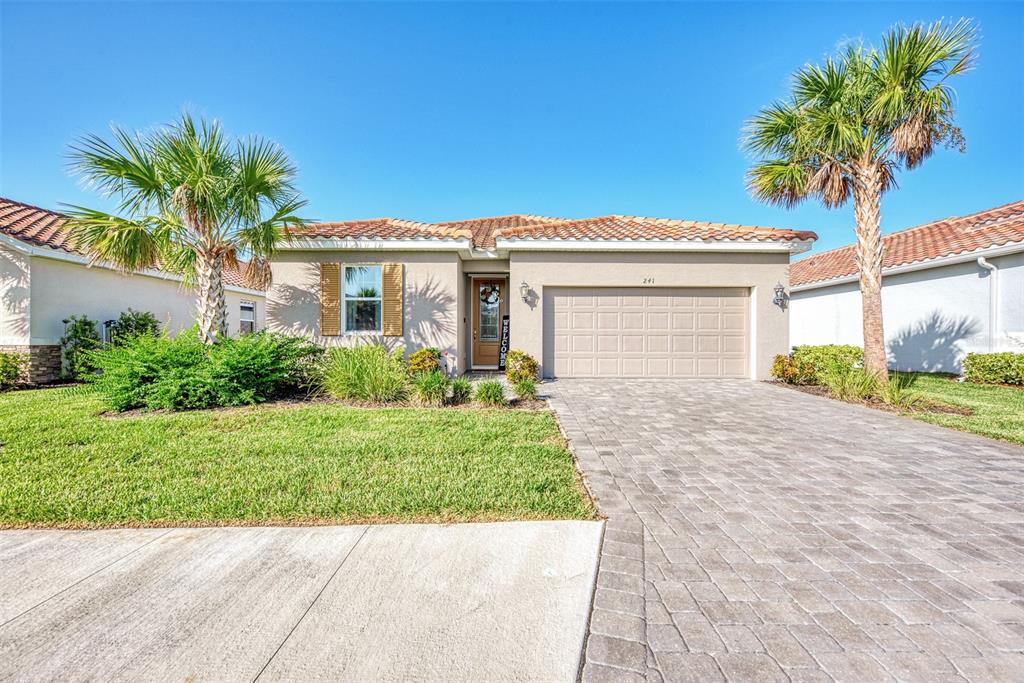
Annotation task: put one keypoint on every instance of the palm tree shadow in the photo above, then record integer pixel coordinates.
(932, 344)
(14, 283)
(295, 308)
(429, 315)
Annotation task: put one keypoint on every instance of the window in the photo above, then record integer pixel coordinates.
(247, 317)
(361, 295)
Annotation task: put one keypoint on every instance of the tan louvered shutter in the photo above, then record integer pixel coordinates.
(330, 299)
(391, 301)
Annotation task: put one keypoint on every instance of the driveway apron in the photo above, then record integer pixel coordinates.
(757, 533)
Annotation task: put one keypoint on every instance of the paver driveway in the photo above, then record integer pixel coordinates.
(757, 533)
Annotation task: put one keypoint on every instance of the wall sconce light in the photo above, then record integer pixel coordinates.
(524, 291)
(780, 296)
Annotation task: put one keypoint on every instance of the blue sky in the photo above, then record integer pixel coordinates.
(448, 111)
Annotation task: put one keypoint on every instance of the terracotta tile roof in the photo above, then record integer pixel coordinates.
(642, 228)
(947, 237)
(43, 228)
(384, 229)
(484, 231)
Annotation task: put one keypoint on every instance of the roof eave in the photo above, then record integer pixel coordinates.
(373, 243)
(794, 246)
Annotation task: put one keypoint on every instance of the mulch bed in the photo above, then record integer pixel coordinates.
(925, 406)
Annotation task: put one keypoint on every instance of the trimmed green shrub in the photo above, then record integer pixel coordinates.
(827, 357)
(994, 368)
(849, 383)
(431, 388)
(183, 373)
(787, 370)
(133, 323)
(365, 373)
(81, 338)
(10, 369)
(490, 393)
(520, 365)
(526, 389)
(424, 360)
(462, 388)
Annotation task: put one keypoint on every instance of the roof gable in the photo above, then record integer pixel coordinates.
(947, 237)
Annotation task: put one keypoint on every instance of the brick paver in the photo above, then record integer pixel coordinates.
(757, 533)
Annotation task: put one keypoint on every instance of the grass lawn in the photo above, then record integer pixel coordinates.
(998, 411)
(63, 464)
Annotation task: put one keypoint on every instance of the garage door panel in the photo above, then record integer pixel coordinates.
(633, 332)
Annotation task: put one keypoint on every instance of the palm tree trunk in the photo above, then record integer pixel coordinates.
(212, 307)
(867, 200)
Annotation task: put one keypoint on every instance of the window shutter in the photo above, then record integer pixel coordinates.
(392, 299)
(330, 299)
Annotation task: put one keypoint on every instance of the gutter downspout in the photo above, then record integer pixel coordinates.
(993, 302)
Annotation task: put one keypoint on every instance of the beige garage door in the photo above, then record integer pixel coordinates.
(633, 332)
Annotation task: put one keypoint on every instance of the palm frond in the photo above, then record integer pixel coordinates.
(126, 243)
(779, 181)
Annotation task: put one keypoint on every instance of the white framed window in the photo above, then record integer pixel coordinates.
(247, 317)
(361, 299)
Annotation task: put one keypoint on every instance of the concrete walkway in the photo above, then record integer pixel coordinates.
(756, 533)
(467, 602)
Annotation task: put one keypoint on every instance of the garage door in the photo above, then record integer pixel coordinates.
(633, 332)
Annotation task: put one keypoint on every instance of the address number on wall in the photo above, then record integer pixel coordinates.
(648, 281)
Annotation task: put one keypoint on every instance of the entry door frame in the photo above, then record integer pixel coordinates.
(474, 323)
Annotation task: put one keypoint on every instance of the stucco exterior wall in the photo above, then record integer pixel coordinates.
(757, 271)
(431, 299)
(932, 317)
(61, 289)
(15, 297)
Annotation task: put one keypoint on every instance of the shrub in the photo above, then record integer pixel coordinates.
(520, 365)
(490, 393)
(133, 323)
(81, 338)
(182, 373)
(826, 357)
(366, 373)
(787, 370)
(526, 389)
(461, 390)
(424, 360)
(849, 383)
(896, 392)
(431, 388)
(10, 369)
(994, 368)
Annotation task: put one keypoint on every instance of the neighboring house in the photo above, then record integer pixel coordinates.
(44, 279)
(948, 288)
(615, 296)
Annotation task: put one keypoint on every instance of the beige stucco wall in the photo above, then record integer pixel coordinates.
(431, 298)
(61, 289)
(15, 295)
(757, 271)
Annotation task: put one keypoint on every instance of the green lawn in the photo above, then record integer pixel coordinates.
(63, 464)
(998, 411)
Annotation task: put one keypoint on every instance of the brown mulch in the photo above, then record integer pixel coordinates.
(924, 406)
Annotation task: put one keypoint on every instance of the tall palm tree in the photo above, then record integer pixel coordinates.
(190, 201)
(849, 125)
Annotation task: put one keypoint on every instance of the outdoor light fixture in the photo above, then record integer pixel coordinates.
(524, 291)
(780, 296)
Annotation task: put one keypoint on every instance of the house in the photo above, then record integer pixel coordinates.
(44, 279)
(948, 288)
(614, 296)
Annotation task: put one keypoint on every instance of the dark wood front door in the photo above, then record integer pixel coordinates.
(490, 303)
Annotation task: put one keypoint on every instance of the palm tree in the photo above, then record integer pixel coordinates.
(849, 125)
(190, 201)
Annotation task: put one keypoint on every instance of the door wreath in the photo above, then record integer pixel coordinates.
(490, 294)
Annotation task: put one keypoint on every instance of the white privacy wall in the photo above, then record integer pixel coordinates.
(932, 317)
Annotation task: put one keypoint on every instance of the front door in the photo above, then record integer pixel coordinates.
(490, 303)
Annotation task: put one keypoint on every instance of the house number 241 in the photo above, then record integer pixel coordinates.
(648, 281)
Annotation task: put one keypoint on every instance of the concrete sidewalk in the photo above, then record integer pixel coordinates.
(468, 602)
